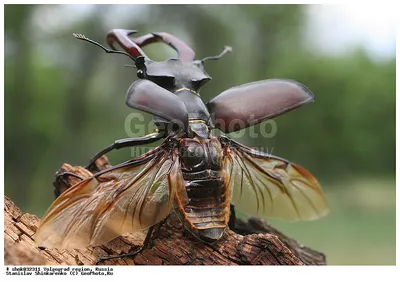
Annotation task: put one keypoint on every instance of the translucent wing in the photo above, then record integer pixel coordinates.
(267, 186)
(126, 198)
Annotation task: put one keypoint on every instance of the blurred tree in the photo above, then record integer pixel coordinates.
(350, 130)
(18, 104)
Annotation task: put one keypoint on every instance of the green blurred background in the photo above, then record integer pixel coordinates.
(64, 101)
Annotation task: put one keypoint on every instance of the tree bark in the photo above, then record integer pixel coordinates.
(250, 243)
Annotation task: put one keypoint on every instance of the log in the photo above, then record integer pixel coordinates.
(252, 242)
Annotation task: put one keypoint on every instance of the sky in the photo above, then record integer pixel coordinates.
(372, 25)
(332, 28)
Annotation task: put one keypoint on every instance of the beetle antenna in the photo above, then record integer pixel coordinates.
(226, 50)
(130, 66)
(84, 38)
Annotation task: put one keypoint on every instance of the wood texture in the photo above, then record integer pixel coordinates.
(251, 243)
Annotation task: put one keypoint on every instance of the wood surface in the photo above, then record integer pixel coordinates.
(252, 242)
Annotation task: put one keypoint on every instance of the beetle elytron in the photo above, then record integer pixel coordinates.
(192, 172)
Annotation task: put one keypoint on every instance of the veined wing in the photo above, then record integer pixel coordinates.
(125, 198)
(267, 186)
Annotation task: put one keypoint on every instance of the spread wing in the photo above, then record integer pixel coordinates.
(125, 198)
(267, 186)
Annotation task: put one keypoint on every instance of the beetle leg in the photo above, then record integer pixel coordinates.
(232, 218)
(123, 143)
(148, 241)
(132, 254)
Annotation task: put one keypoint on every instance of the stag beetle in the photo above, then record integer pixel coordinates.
(192, 172)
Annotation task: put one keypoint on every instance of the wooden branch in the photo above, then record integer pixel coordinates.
(171, 244)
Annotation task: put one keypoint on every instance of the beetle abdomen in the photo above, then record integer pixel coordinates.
(206, 214)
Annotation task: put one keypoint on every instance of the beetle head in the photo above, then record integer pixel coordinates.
(172, 74)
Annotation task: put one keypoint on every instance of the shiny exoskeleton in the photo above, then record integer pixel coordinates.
(207, 212)
(192, 172)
